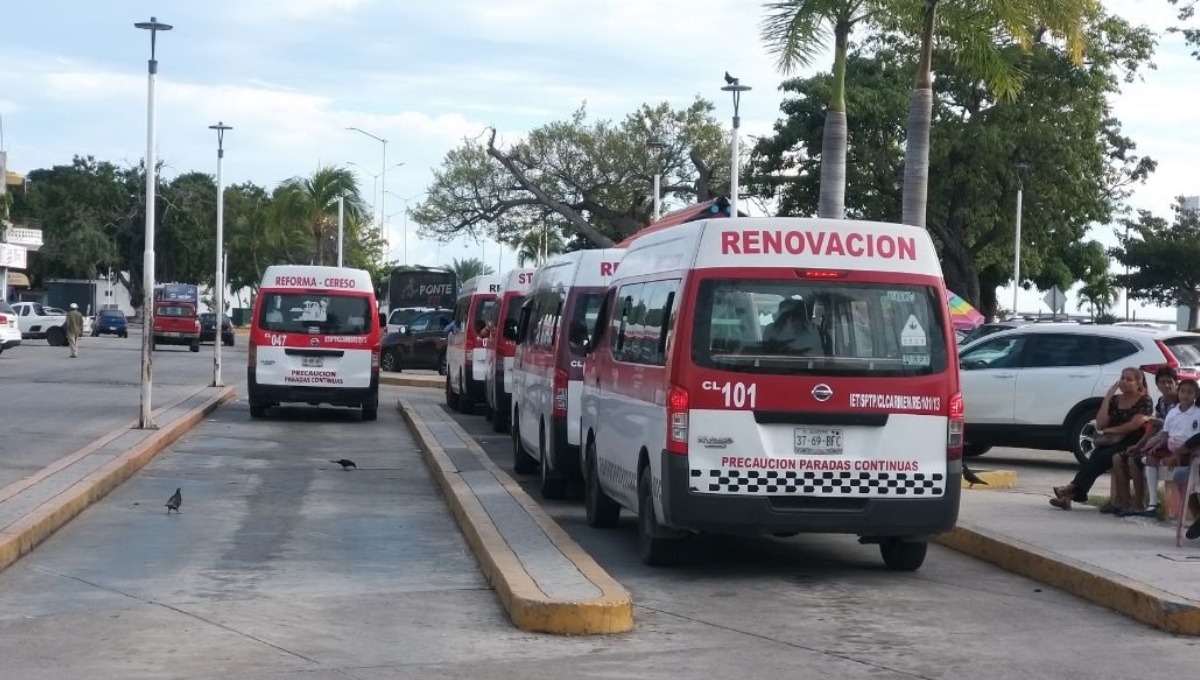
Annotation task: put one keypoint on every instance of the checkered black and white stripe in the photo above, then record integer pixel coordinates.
(819, 483)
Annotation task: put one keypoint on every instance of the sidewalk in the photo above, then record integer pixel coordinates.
(1130, 565)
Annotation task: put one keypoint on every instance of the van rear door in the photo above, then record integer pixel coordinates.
(317, 338)
(840, 387)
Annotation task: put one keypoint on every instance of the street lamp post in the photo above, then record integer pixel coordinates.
(657, 146)
(219, 281)
(382, 180)
(374, 185)
(732, 85)
(406, 201)
(146, 419)
(1021, 168)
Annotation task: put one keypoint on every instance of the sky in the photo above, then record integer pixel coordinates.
(291, 75)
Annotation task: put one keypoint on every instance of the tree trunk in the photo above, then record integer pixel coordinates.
(1193, 315)
(832, 202)
(920, 119)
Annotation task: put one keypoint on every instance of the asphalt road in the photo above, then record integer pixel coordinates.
(824, 604)
(54, 405)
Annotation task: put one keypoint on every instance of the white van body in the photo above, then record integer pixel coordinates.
(465, 356)
(547, 375)
(776, 375)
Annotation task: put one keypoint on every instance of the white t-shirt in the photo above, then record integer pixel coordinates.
(1181, 426)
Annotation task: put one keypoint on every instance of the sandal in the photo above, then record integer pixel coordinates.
(1061, 503)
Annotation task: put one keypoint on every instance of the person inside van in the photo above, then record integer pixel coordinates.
(1119, 422)
(793, 330)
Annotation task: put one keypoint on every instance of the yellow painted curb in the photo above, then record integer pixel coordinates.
(996, 479)
(23, 535)
(527, 605)
(1158, 608)
(435, 382)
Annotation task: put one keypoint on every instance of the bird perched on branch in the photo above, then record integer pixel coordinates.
(346, 463)
(175, 501)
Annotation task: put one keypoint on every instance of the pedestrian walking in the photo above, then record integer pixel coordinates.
(74, 329)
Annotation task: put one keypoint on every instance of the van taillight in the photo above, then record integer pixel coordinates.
(954, 428)
(677, 420)
(560, 392)
(821, 273)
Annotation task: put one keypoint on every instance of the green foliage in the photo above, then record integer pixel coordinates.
(1080, 166)
(590, 178)
(469, 267)
(1186, 13)
(1162, 259)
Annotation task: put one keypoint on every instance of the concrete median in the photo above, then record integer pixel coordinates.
(543, 579)
(33, 508)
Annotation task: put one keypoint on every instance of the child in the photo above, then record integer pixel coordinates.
(1180, 425)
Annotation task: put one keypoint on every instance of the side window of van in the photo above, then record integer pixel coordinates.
(460, 313)
(660, 297)
(634, 329)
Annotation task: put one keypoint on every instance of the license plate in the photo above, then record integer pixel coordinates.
(312, 362)
(171, 334)
(817, 441)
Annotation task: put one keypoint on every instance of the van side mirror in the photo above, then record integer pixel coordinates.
(510, 330)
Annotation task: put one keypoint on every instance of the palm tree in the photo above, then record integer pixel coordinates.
(797, 31)
(970, 29)
(1100, 293)
(311, 203)
(537, 245)
(469, 268)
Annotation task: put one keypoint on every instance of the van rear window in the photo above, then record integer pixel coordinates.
(325, 313)
(819, 328)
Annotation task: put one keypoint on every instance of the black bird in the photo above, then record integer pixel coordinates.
(346, 463)
(971, 477)
(175, 501)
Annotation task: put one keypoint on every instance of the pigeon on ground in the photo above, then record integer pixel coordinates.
(345, 463)
(175, 501)
(971, 477)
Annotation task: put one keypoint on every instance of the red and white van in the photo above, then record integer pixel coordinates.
(547, 371)
(499, 346)
(314, 339)
(474, 316)
(775, 376)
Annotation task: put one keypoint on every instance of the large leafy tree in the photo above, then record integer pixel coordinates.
(796, 31)
(1162, 258)
(311, 203)
(1191, 34)
(975, 36)
(1079, 164)
(469, 267)
(594, 178)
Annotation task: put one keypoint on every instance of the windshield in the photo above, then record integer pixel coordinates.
(173, 310)
(112, 314)
(819, 328)
(316, 313)
(1186, 349)
(403, 317)
(513, 313)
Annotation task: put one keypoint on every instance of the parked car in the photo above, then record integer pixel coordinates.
(175, 323)
(1040, 385)
(208, 329)
(110, 322)
(421, 345)
(10, 332)
(38, 322)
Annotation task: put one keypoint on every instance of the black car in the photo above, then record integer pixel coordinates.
(421, 345)
(208, 329)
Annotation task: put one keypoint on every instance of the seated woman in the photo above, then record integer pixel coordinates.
(1128, 465)
(1119, 423)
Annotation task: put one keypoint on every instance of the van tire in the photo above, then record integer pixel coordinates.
(370, 413)
(901, 555)
(499, 420)
(523, 463)
(258, 409)
(451, 397)
(975, 450)
(655, 549)
(489, 414)
(466, 405)
(553, 487)
(602, 511)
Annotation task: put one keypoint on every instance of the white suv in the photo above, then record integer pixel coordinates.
(1039, 386)
(10, 332)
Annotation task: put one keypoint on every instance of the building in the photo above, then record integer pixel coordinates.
(16, 240)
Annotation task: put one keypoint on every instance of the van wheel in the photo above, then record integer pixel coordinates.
(257, 409)
(654, 549)
(901, 555)
(370, 413)
(499, 419)
(602, 511)
(523, 463)
(489, 413)
(451, 397)
(553, 487)
(466, 405)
